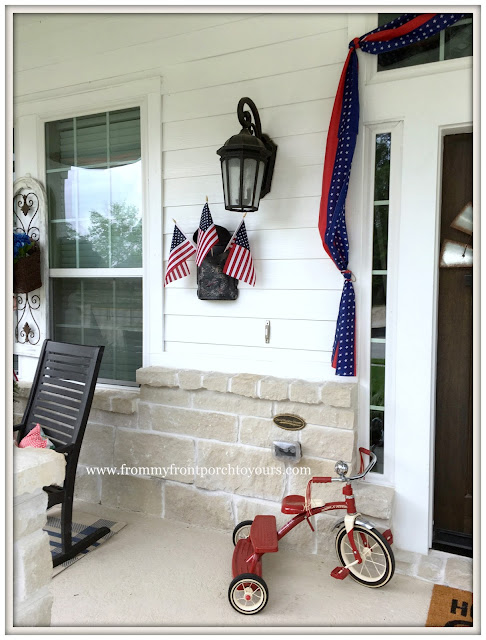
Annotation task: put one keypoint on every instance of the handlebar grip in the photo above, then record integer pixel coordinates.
(321, 479)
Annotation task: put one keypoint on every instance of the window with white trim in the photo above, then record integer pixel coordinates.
(454, 42)
(381, 203)
(94, 190)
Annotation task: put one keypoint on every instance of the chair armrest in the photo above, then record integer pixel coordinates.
(17, 427)
(67, 448)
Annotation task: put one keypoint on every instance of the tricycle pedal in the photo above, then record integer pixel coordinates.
(388, 535)
(339, 573)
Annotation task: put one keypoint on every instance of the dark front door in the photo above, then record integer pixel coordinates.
(453, 439)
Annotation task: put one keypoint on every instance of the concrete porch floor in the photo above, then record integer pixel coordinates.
(160, 573)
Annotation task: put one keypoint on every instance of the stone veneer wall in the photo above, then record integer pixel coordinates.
(192, 418)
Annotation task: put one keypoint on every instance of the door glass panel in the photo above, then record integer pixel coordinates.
(378, 307)
(377, 438)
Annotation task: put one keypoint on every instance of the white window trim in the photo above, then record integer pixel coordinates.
(30, 118)
(364, 298)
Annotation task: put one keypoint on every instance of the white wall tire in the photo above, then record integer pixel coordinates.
(378, 564)
(248, 593)
(242, 530)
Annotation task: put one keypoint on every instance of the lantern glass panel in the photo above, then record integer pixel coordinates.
(224, 172)
(249, 175)
(234, 182)
(261, 171)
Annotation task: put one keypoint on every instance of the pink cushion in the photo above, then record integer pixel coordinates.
(36, 438)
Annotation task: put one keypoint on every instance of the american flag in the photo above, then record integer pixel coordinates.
(341, 142)
(180, 250)
(207, 236)
(239, 263)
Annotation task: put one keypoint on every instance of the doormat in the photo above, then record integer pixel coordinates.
(450, 608)
(84, 525)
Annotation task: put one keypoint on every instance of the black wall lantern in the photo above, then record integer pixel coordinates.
(247, 162)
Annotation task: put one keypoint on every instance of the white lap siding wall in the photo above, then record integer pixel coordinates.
(289, 64)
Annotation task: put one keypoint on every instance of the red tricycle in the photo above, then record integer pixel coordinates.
(363, 551)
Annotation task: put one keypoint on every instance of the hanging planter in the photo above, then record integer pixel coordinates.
(27, 264)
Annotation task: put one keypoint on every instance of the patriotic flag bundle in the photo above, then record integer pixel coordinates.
(207, 236)
(341, 141)
(180, 250)
(239, 263)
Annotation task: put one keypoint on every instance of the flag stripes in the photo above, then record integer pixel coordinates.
(239, 263)
(180, 250)
(207, 236)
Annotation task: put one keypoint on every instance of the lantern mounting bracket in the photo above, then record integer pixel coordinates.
(245, 117)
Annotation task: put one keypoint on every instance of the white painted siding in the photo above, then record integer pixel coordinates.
(289, 64)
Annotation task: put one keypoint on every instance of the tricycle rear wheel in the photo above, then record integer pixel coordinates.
(248, 593)
(242, 530)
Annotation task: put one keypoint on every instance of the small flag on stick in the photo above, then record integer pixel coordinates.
(239, 264)
(180, 250)
(207, 236)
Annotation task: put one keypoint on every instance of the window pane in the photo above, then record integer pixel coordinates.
(124, 135)
(458, 41)
(60, 144)
(377, 378)
(377, 437)
(91, 140)
(380, 238)
(106, 311)
(378, 306)
(382, 166)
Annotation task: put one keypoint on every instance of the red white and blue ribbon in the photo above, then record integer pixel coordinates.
(341, 141)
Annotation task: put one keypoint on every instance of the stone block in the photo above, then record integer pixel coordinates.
(102, 399)
(36, 468)
(300, 538)
(190, 379)
(194, 506)
(35, 612)
(458, 573)
(245, 384)
(319, 415)
(339, 395)
(274, 388)
(24, 388)
(132, 493)
(373, 500)
(239, 469)
(201, 424)
(125, 402)
(261, 432)
(32, 565)
(306, 392)
(431, 568)
(326, 533)
(164, 456)
(232, 403)
(128, 421)
(87, 486)
(214, 381)
(29, 514)
(304, 470)
(325, 442)
(172, 396)
(406, 562)
(97, 447)
(157, 377)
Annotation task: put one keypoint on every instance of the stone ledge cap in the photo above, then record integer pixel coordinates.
(35, 468)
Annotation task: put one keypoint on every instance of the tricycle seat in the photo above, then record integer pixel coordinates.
(263, 534)
(296, 504)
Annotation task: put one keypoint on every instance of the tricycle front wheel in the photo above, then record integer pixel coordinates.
(248, 593)
(378, 562)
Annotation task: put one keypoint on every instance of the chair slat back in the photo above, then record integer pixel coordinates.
(62, 391)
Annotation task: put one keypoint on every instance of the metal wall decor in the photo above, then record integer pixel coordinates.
(289, 421)
(28, 201)
(212, 283)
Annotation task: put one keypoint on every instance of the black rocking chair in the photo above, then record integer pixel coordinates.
(60, 401)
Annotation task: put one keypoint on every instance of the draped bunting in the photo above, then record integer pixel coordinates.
(341, 141)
